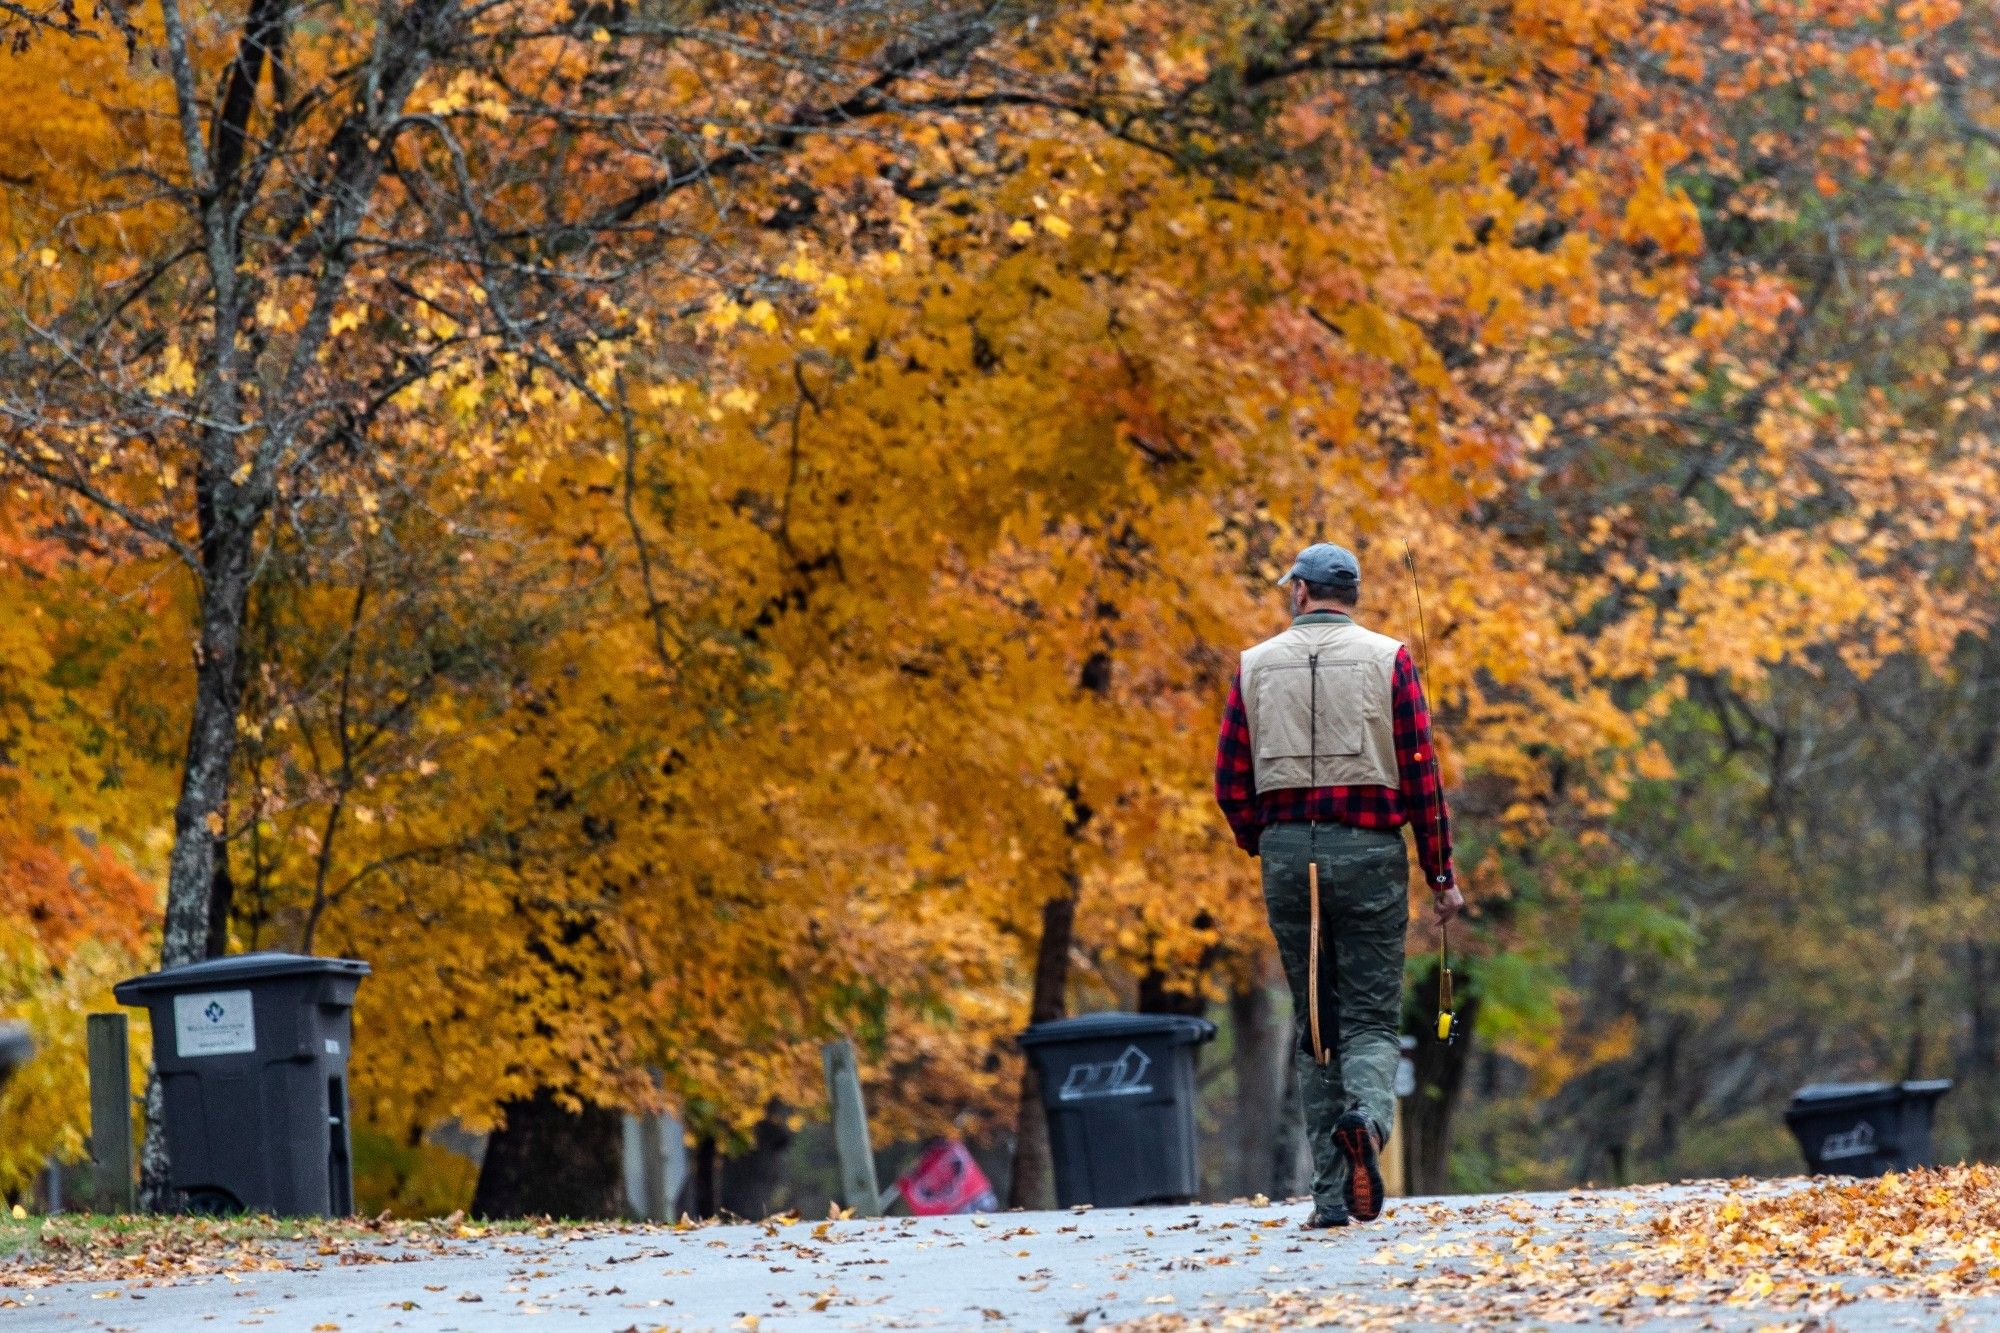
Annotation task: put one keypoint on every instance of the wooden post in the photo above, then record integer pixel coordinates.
(1394, 1183)
(1396, 1172)
(110, 1111)
(653, 1171)
(656, 1165)
(850, 1130)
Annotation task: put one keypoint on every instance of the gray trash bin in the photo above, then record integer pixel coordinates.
(1119, 1093)
(252, 1056)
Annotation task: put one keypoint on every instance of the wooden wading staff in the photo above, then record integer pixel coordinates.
(1312, 966)
(1312, 877)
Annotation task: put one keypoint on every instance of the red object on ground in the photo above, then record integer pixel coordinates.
(945, 1179)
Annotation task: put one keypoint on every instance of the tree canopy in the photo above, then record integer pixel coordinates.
(681, 531)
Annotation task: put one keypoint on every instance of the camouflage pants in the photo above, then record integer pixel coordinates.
(1364, 912)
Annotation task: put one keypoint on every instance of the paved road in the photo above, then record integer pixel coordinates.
(1010, 1271)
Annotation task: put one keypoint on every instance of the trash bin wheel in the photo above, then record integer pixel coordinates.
(211, 1203)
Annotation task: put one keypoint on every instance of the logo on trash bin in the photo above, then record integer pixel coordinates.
(217, 1022)
(1122, 1077)
(1856, 1142)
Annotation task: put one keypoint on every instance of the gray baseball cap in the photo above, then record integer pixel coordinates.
(1323, 562)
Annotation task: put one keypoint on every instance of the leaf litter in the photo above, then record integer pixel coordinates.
(1802, 1249)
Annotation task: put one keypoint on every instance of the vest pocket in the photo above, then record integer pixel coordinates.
(1289, 727)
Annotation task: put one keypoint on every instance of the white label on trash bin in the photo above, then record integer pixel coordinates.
(1123, 1077)
(214, 1022)
(1856, 1142)
(332, 1046)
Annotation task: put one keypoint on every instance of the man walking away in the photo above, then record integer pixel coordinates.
(1325, 754)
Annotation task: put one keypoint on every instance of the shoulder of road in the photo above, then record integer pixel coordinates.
(1712, 1255)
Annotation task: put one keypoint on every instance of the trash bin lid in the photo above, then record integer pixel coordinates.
(235, 968)
(1822, 1094)
(1835, 1092)
(1181, 1029)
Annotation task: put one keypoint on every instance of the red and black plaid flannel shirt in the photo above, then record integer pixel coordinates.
(1419, 802)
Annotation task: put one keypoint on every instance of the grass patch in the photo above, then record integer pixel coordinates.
(127, 1233)
(95, 1247)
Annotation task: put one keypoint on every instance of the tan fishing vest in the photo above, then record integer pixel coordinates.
(1320, 701)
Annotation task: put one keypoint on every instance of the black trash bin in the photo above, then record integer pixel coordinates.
(252, 1056)
(1119, 1093)
(1865, 1129)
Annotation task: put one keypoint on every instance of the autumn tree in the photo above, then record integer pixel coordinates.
(340, 227)
(709, 532)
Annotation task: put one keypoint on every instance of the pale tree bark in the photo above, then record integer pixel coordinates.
(209, 757)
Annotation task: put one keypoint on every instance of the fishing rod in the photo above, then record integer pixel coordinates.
(1446, 1017)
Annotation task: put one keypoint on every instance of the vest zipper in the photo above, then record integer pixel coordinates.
(1312, 775)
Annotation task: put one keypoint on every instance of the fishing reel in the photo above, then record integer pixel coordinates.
(1447, 1028)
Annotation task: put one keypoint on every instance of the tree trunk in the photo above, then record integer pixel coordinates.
(221, 899)
(1979, 1070)
(750, 1181)
(1156, 998)
(200, 815)
(1921, 977)
(704, 1183)
(1258, 1053)
(1427, 1113)
(1031, 1183)
(1674, 1099)
(203, 808)
(155, 1196)
(548, 1161)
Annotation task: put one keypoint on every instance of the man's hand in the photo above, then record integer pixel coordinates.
(1447, 904)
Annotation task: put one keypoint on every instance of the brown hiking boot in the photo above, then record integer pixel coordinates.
(1354, 1134)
